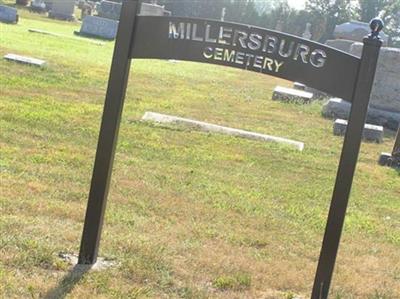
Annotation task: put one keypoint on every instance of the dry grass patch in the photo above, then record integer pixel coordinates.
(190, 214)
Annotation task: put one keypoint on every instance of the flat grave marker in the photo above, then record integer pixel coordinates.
(370, 132)
(25, 60)
(387, 159)
(285, 94)
(339, 108)
(299, 86)
(207, 127)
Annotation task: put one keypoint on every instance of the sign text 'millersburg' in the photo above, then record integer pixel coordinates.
(248, 42)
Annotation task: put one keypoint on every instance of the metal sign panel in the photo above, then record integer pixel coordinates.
(247, 47)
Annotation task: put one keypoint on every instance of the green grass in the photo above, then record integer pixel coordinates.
(190, 214)
(236, 282)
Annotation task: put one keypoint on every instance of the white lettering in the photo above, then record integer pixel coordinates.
(176, 33)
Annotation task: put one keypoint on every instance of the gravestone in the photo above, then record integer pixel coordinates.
(384, 107)
(339, 108)
(355, 31)
(223, 14)
(370, 132)
(291, 95)
(62, 10)
(279, 25)
(148, 9)
(386, 90)
(99, 27)
(317, 94)
(340, 44)
(207, 127)
(38, 6)
(86, 7)
(392, 159)
(307, 32)
(25, 60)
(105, 25)
(109, 10)
(387, 159)
(49, 4)
(299, 86)
(336, 108)
(8, 14)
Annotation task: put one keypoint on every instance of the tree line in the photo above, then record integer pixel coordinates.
(323, 15)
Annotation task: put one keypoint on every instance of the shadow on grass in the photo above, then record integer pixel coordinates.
(68, 282)
(170, 127)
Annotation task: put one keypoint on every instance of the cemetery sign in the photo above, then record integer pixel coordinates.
(246, 47)
(251, 48)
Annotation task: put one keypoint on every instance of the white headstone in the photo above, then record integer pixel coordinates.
(279, 26)
(99, 27)
(307, 33)
(223, 14)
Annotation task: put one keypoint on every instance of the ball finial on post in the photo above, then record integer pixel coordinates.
(376, 26)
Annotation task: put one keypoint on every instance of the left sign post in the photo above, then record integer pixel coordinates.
(108, 137)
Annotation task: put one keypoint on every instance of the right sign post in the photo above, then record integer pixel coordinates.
(348, 161)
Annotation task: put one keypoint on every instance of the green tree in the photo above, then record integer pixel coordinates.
(328, 14)
(388, 10)
(369, 9)
(242, 11)
(391, 16)
(276, 18)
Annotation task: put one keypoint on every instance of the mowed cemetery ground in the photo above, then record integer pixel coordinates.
(190, 214)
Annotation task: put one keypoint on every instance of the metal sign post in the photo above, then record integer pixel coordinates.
(246, 47)
(347, 165)
(110, 122)
(396, 147)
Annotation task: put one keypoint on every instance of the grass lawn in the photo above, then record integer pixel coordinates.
(190, 214)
